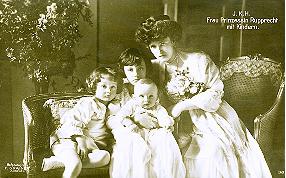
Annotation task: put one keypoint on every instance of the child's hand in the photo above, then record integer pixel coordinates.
(126, 122)
(81, 147)
(145, 120)
(134, 128)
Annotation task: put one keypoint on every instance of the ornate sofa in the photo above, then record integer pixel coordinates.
(38, 123)
(254, 87)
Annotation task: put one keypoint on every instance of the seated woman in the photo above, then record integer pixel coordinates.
(220, 145)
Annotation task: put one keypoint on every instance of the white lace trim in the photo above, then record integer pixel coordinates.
(55, 105)
(252, 66)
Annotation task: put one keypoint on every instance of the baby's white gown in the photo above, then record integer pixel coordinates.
(154, 155)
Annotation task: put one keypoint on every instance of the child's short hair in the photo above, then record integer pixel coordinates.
(147, 82)
(96, 76)
(132, 57)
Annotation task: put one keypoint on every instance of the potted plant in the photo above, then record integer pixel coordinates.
(39, 36)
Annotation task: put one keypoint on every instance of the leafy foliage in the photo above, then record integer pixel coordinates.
(39, 35)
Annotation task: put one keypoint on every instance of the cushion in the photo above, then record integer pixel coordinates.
(57, 106)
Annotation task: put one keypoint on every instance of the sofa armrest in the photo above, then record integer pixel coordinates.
(28, 160)
(38, 124)
(264, 124)
(269, 115)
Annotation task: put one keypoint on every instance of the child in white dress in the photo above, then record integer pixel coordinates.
(83, 129)
(147, 125)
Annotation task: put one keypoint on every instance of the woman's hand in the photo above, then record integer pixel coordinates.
(82, 150)
(181, 106)
(176, 110)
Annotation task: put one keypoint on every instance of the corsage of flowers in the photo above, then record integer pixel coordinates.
(180, 86)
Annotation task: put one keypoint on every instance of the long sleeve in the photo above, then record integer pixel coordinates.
(115, 106)
(76, 119)
(112, 121)
(115, 121)
(207, 72)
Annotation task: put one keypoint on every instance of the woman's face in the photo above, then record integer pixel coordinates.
(135, 73)
(162, 49)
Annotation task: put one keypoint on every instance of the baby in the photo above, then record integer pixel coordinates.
(144, 110)
(82, 129)
(158, 154)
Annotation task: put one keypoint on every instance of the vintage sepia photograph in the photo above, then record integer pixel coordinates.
(142, 88)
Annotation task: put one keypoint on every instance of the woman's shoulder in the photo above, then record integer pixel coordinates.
(198, 55)
(195, 57)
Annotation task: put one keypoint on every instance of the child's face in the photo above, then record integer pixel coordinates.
(135, 73)
(106, 88)
(146, 95)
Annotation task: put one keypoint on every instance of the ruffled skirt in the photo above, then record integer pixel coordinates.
(221, 147)
(154, 155)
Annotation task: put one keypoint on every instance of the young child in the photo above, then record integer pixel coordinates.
(83, 129)
(158, 151)
(144, 111)
(133, 66)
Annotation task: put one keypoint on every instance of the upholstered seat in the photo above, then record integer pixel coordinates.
(38, 122)
(251, 85)
(254, 87)
(269, 129)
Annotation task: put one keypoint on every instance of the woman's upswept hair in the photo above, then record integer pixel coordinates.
(97, 74)
(159, 27)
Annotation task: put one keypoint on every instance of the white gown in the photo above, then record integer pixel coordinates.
(221, 146)
(151, 153)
